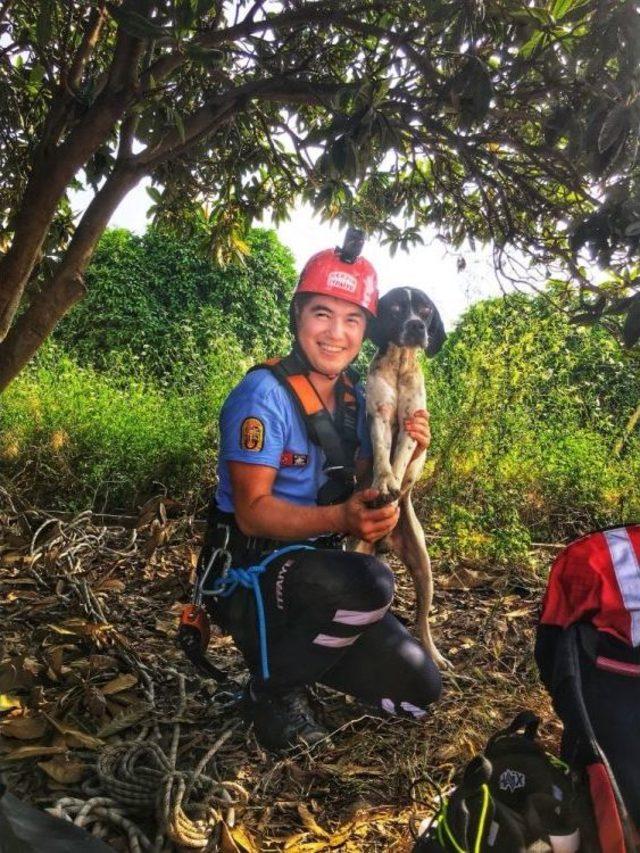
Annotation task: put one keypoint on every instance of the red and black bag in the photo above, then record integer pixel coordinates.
(588, 653)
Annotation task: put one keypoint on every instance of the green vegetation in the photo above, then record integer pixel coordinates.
(124, 402)
(159, 300)
(527, 408)
(72, 437)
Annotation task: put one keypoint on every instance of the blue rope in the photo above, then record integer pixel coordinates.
(249, 578)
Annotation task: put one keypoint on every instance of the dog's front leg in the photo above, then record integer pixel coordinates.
(384, 479)
(411, 398)
(405, 448)
(382, 400)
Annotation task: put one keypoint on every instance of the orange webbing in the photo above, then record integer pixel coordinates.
(605, 810)
(306, 393)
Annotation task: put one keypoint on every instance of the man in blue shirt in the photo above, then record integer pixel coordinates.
(325, 610)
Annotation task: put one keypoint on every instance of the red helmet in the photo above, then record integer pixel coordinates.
(326, 273)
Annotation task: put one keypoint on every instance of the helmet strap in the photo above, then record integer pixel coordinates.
(306, 364)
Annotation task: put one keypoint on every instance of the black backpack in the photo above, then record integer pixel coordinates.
(25, 829)
(515, 798)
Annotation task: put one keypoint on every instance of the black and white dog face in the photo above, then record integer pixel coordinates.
(408, 318)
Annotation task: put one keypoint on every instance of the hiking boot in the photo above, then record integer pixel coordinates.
(282, 719)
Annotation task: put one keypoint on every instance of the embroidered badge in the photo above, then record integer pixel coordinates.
(252, 434)
(289, 459)
(510, 780)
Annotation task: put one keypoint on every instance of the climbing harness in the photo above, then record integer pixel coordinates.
(194, 631)
(249, 578)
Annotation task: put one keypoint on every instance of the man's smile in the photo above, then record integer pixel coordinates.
(330, 349)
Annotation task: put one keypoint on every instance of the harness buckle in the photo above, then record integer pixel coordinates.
(334, 469)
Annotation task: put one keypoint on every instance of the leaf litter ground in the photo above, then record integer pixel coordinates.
(104, 719)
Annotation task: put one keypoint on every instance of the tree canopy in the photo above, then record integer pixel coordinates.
(498, 121)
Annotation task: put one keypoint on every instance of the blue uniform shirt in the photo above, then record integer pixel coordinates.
(260, 424)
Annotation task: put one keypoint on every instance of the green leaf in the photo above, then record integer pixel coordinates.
(562, 7)
(177, 120)
(155, 194)
(528, 48)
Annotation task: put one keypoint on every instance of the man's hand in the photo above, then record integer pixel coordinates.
(365, 523)
(417, 426)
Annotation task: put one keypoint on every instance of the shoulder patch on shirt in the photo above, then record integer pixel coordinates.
(252, 434)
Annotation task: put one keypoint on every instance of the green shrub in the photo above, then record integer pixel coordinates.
(159, 299)
(71, 437)
(526, 410)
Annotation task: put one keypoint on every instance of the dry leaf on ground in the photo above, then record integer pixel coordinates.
(64, 770)
(24, 728)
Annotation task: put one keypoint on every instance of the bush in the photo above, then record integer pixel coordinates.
(72, 437)
(160, 300)
(526, 410)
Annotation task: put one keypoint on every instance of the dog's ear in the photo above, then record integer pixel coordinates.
(437, 334)
(375, 332)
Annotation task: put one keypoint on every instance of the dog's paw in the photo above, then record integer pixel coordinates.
(441, 661)
(383, 499)
(388, 490)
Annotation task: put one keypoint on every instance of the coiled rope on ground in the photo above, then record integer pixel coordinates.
(136, 782)
(141, 779)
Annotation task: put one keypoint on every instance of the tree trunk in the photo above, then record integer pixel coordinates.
(47, 184)
(66, 286)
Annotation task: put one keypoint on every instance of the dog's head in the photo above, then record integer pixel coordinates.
(408, 318)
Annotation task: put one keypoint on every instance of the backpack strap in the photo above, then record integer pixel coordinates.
(612, 817)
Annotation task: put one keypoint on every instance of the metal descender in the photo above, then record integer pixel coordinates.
(194, 631)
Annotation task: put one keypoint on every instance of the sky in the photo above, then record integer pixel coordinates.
(431, 267)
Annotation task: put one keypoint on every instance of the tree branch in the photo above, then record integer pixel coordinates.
(327, 12)
(47, 183)
(216, 113)
(65, 101)
(89, 40)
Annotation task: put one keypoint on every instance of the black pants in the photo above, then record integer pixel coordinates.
(328, 621)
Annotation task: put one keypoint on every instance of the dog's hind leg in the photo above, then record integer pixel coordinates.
(407, 540)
